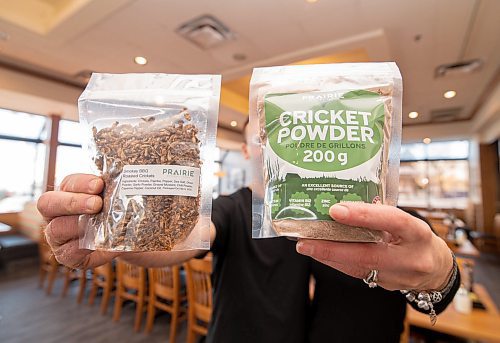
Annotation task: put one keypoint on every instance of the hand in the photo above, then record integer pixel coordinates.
(412, 257)
(61, 209)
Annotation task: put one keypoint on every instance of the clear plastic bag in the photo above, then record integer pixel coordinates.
(323, 134)
(151, 137)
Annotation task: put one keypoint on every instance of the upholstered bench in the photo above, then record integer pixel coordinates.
(15, 247)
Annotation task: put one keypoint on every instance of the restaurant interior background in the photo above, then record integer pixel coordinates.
(449, 55)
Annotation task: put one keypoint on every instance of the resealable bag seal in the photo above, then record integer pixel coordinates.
(152, 138)
(321, 135)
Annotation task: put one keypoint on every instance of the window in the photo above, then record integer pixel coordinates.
(21, 125)
(435, 175)
(230, 172)
(71, 158)
(22, 153)
(71, 133)
(451, 150)
(233, 172)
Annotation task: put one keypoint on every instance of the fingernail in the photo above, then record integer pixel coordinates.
(339, 211)
(91, 203)
(93, 185)
(304, 248)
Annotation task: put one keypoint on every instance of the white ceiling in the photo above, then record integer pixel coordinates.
(106, 35)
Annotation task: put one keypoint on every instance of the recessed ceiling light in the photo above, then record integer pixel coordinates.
(140, 60)
(234, 123)
(427, 140)
(413, 115)
(449, 94)
(311, 1)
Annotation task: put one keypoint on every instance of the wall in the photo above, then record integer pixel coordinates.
(447, 131)
(26, 93)
(489, 179)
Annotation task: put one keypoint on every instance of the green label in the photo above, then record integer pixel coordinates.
(325, 131)
(316, 133)
(311, 198)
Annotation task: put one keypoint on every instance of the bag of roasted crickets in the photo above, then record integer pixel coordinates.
(150, 137)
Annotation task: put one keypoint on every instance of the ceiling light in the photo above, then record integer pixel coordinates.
(234, 123)
(311, 1)
(140, 60)
(413, 115)
(427, 140)
(449, 94)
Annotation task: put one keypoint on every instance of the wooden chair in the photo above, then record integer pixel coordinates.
(131, 285)
(102, 277)
(405, 335)
(166, 294)
(49, 267)
(70, 275)
(199, 292)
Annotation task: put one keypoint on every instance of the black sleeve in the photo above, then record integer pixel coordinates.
(222, 207)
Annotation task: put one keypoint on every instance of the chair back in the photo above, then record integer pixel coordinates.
(131, 276)
(199, 289)
(103, 273)
(165, 282)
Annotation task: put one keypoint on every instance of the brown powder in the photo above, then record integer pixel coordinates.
(322, 229)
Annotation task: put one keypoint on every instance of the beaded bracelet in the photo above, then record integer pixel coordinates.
(425, 300)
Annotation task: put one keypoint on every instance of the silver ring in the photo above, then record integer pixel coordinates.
(372, 278)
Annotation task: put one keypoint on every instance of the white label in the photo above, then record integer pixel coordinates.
(159, 179)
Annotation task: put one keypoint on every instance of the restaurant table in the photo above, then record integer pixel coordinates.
(480, 324)
(465, 249)
(440, 215)
(10, 208)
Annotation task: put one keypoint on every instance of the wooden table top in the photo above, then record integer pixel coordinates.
(479, 324)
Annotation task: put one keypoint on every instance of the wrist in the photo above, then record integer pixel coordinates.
(444, 271)
(425, 300)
